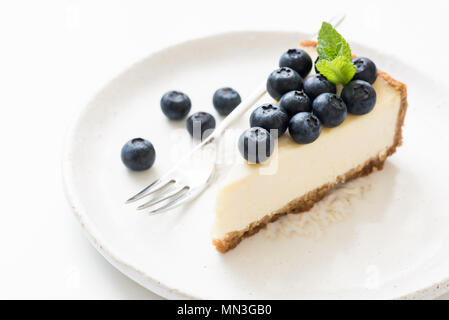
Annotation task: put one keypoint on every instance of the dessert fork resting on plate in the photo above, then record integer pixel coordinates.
(194, 172)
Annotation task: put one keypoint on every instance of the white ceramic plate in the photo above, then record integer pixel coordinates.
(383, 236)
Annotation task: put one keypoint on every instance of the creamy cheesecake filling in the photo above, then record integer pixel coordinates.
(251, 192)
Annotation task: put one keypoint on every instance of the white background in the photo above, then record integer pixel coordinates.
(54, 55)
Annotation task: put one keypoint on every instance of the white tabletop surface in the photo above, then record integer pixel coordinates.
(55, 54)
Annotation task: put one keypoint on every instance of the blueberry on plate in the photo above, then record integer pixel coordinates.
(283, 80)
(270, 117)
(225, 100)
(298, 60)
(175, 105)
(200, 125)
(359, 96)
(138, 154)
(366, 70)
(294, 102)
(317, 84)
(256, 145)
(330, 109)
(304, 127)
(316, 61)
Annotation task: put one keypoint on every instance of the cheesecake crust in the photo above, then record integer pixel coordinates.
(307, 201)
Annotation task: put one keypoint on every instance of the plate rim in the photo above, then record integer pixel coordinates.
(426, 292)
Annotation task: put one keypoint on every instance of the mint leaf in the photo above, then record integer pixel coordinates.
(331, 44)
(338, 71)
(335, 55)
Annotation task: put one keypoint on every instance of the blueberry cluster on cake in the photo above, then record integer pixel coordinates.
(330, 123)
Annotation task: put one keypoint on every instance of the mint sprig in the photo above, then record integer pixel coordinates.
(335, 56)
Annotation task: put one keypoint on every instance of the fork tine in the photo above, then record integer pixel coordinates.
(141, 193)
(158, 184)
(172, 194)
(171, 204)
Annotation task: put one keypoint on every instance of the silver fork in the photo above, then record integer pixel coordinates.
(194, 172)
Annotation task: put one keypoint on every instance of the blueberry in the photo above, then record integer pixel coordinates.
(330, 109)
(316, 61)
(317, 84)
(138, 154)
(225, 100)
(366, 70)
(200, 125)
(270, 117)
(283, 80)
(294, 102)
(175, 105)
(359, 96)
(304, 127)
(298, 60)
(256, 145)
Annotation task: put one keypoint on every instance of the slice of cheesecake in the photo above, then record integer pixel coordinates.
(297, 176)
